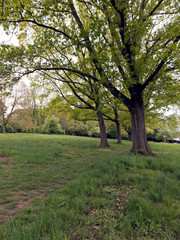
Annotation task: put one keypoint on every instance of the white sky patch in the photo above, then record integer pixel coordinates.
(8, 38)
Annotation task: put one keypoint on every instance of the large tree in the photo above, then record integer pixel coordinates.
(130, 44)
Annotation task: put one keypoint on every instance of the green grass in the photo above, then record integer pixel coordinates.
(40, 164)
(113, 195)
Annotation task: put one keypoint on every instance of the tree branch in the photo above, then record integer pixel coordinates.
(159, 66)
(38, 24)
(155, 8)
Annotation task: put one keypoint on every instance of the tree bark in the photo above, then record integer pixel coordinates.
(118, 128)
(129, 136)
(139, 138)
(129, 131)
(103, 135)
(4, 123)
(4, 128)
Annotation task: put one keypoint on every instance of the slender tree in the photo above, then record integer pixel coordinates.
(112, 112)
(84, 95)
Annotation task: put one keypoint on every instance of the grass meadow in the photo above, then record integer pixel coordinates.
(55, 187)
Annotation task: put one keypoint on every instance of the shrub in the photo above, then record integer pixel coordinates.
(37, 129)
(16, 127)
(10, 129)
(52, 126)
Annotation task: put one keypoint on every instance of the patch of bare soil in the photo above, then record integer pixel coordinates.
(24, 199)
(21, 204)
(5, 159)
(8, 213)
(72, 149)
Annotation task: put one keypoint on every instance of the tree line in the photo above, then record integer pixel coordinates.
(28, 110)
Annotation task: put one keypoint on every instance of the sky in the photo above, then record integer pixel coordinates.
(9, 39)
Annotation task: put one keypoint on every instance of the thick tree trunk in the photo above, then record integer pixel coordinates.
(103, 135)
(139, 138)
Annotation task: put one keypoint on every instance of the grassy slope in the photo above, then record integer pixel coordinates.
(123, 197)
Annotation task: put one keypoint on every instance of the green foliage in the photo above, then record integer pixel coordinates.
(164, 135)
(52, 126)
(111, 130)
(16, 127)
(92, 128)
(10, 129)
(37, 129)
(9, 56)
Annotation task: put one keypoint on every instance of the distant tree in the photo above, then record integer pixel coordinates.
(164, 135)
(9, 101)
(23, 113)
(6, 116)
(52, 126)
(92, 128)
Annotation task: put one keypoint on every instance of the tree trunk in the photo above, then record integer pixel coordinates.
(129, 132)
(139, 138)
(118, 128)
(129, 136)
(4, 128)
(4, 123)
(103, 135)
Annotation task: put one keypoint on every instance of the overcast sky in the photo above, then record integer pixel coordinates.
(9, 39)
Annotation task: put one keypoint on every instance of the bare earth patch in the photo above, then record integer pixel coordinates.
(5, 159)
(23, 199)
(72, 149)
(8, 213)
